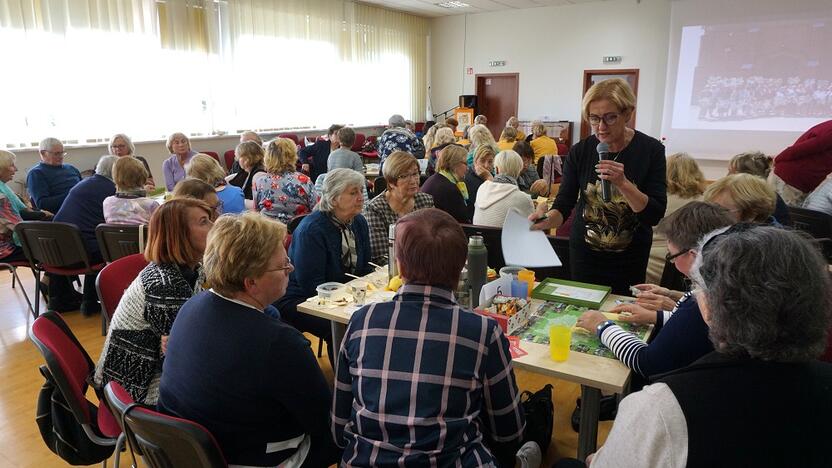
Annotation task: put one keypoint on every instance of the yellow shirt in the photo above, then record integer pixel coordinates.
(505, 145)
(544, 146)
(520, 135)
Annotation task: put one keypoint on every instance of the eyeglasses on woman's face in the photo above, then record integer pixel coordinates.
(672, 258)
(610, 118)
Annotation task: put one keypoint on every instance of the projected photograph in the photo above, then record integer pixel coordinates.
(760, 76)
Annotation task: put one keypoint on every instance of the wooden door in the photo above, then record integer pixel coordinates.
(594, 76)
(497, 96)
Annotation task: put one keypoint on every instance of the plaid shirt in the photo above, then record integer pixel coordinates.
(380, 216)
(419, 380)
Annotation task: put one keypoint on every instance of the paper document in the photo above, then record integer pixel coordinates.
(525, 248)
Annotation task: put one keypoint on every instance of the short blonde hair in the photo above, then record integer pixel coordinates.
(399, 163)
(450, 157)
(250, 150)
(684, 178)
(206, 169)
(538, 129)
(480, 135)
(281, 156)
(129, 173)
(483, 151)
(751, 162)
(173, 136)
(754, 198)
(615, 90)
(509, 163)
(513, 122)
(509, 134)
(240, 247)
(444, 136)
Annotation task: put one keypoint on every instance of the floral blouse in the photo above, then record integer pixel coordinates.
(284, 196)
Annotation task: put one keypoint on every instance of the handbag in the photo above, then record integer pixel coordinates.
(540, 416)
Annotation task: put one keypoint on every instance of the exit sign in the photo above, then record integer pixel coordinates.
(497, 63)
(611, 59)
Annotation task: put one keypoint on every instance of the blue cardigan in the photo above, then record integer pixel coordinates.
(250, 379)
(316, 253)
(84, 208)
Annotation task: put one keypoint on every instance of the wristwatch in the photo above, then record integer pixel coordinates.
(603, 326)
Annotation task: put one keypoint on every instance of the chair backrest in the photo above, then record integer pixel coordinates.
(492, 238)
(816, 223)
(229, 159)
(359, 142)
(114, 278)
(164, 441)
(214, 155)
(294, 222)
(379, 185)
(52, 244)
(119, 240)
(67, 361)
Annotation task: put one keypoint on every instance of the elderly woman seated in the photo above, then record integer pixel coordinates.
(401, 197)
(133, 351)
(199, 190)
(514, 123)
(208, 170)
(478, 173)
(453, 381)
(495, 197)
(12, 211)
(328, 244)
(681, 335)
(249, 156)
(447, 186)
(507, 139)
(761, 398)
(283, 193)
(758, 164)
(444, 137)
(249, 378)
(746, 197)
(121, 145)
(173, 168)
(479, 135)
(130, 204)
(542, 144)
(529, 180)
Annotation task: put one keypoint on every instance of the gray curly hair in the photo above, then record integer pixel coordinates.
(335, 183)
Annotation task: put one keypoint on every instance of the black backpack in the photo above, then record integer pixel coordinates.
(62, 433)
(540, 416)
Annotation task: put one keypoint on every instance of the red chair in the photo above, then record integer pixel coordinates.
(113, 280)
(70, 366)
(370, 154)
(54, 247)
(563, 150)
(214, 155)
(359, 142)
(418, 127)
(164, 441)
(290, 136)
(229, 159)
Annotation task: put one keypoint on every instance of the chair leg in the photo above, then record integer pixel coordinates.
(37, 293)
(320, 347)
(23, 290)
(120, 444)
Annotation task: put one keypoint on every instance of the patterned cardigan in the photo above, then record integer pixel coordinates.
(132, 354)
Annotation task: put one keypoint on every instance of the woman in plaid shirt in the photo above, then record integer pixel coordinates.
(420, 381)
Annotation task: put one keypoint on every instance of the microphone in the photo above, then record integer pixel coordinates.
(603, 150)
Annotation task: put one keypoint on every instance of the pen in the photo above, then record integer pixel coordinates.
(541, 219)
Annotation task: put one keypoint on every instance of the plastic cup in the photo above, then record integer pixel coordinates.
(560, 338)
(359, 292)
(527, 276)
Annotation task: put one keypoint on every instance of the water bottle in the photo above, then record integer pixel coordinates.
(477, 268)
(391, 252)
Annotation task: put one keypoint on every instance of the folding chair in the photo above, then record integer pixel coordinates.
(111, 282)
(120, 240)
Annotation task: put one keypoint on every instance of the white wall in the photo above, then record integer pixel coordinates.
(550, 48)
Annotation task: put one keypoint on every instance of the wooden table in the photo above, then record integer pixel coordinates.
(595, 374)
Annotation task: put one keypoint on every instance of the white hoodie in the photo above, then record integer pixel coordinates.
(494, 200)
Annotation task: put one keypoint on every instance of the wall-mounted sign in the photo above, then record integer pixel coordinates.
(497, 63)
(469, 70)
(611, 59)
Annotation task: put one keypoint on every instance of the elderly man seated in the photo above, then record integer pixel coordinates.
(760, 398)
(313, 158)
(49, 180)
(399, 138)
(84, 207)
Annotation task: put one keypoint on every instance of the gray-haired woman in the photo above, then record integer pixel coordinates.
(331, 241)
(121, 145)
(760, 399)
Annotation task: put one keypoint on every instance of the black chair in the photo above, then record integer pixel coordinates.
(120, 240)
(492, 237)
(561, 246)
(379, 185)
(816, 223)
(53, 247)
(294, 222)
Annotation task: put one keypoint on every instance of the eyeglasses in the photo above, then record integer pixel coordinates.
(57, 153)
(119, 146)
(672, 258)
(289, 266)
(414, 175)
(609, 118)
